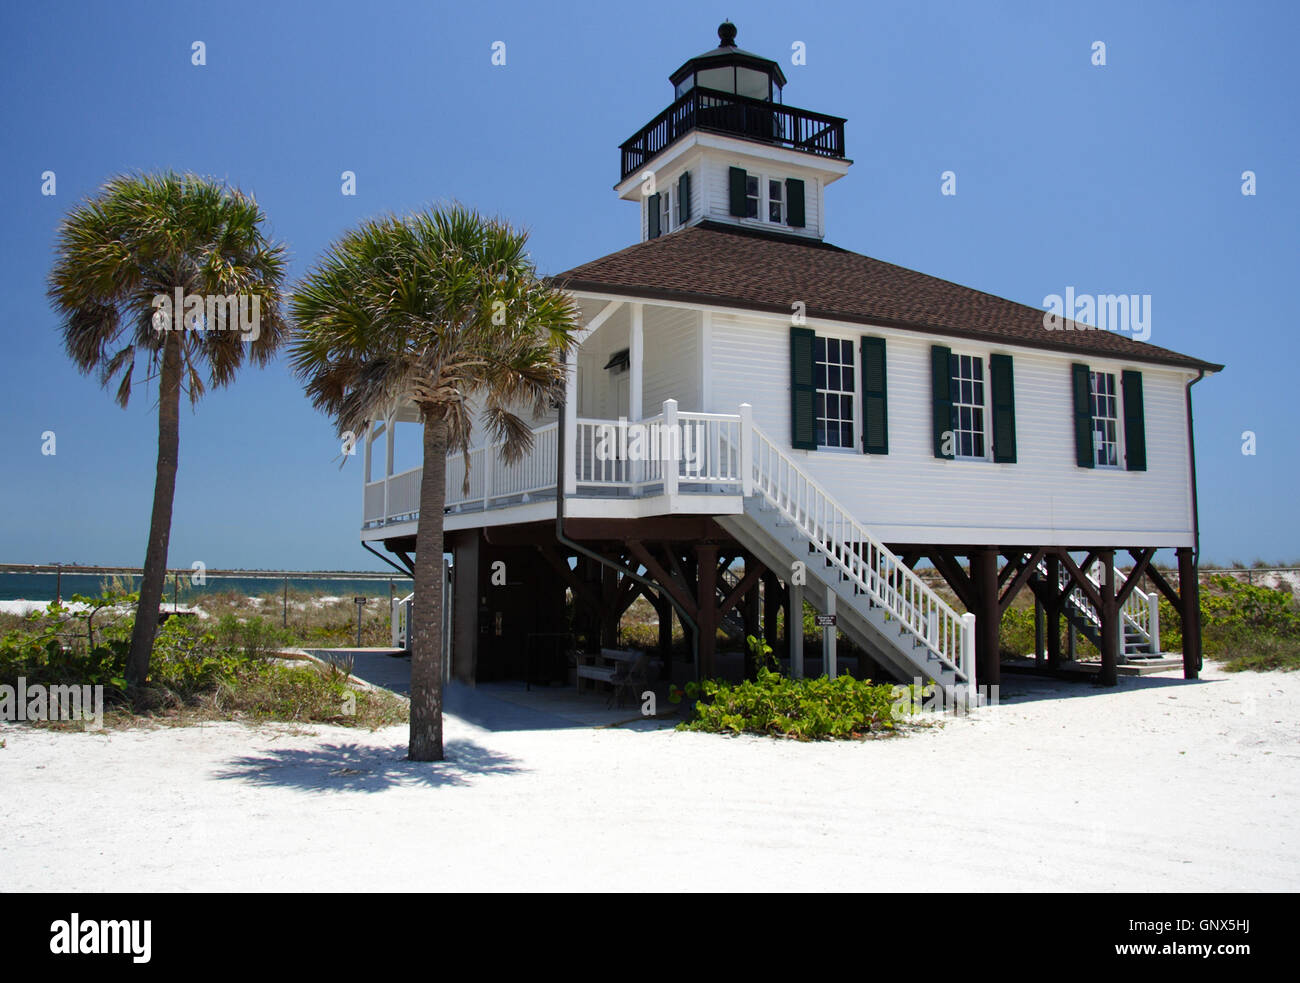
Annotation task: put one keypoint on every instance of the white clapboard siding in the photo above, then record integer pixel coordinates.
(711, 194)
(673, 360)
(909, 495)
(716, 170)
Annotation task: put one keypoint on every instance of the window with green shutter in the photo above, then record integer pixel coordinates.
(652, 216)
(875, 401)
(803, 390)
(1004, 409)
(739, 186)
(1135, 428)
(941, 401)
(1081, 386)
(794, 206)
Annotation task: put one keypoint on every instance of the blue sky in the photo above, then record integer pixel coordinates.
(1117, 179)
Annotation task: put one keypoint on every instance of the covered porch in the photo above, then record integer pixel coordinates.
(635, 399)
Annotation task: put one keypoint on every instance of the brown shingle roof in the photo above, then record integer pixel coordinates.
(731, 267)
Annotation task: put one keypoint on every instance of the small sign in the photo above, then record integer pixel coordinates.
(358, 600)
(825, 620)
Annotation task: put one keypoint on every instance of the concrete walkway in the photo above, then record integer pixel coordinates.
(503, 706)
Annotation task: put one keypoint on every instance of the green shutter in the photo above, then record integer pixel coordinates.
(941, 395)
(875, 403)
(1082, 390)
(803, 392)
(738, 191)
(794, 202)
(684, 198)
(653, 218)
(1135, 427)
(1004, 409)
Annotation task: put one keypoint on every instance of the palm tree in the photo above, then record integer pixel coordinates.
(122, 259)
(443, 309)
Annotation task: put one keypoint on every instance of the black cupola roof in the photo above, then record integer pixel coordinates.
(728, 68)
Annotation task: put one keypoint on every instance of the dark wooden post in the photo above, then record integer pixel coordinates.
(609, 615)
(706, 599)
(1189, 597)
(1109, 620)
(750, 611)
(988, 628)
(1038, 631)
(1052, 611)
(772, 594)
(664, 609)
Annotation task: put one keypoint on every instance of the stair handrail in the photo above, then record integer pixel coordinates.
(1135, 611)
(877, 570)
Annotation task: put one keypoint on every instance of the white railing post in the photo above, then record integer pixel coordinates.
(829, 663)
(670, 467)
(636, 371)
(968, 649)
(746, 450)
(1153, 627)
(794, 630)
(570, 425)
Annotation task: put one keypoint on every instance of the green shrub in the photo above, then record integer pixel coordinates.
(220, 671)
(1258, 652)
(805, 709)
(1018, 632)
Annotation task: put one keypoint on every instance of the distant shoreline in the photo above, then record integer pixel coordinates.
(43, 586)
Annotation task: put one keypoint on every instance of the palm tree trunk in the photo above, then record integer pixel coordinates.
(154, 578)
(427, 613)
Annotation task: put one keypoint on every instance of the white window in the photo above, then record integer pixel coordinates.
(665, 212)
(752, 189)
(968, 413)
(1105, 420)
(775, 202)
(835, 376)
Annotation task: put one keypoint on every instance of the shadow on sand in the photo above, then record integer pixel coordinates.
(1025, 688)
(359, 768)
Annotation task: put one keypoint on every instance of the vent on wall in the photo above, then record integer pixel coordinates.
(619, 362)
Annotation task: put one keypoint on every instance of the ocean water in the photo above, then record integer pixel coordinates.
(41, 586)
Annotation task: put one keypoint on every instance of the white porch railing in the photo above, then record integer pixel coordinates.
(673, 452)
(492, 482)
(668, 454)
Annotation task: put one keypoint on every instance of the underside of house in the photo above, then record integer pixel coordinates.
(755, 419)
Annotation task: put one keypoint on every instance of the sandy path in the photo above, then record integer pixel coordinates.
(1157, 785)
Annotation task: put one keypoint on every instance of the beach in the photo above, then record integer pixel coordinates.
(1157, 785)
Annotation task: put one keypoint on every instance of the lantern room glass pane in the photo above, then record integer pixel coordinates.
(753, 83)
(722, 79)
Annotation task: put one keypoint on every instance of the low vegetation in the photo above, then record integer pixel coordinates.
(803, 709)
(227, 668)
(1243, 626)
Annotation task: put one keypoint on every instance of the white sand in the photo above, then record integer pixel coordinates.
(1156, 785)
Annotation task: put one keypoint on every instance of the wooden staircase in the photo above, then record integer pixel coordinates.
(792, 524)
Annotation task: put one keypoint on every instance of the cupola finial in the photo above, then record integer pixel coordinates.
(726, 34)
